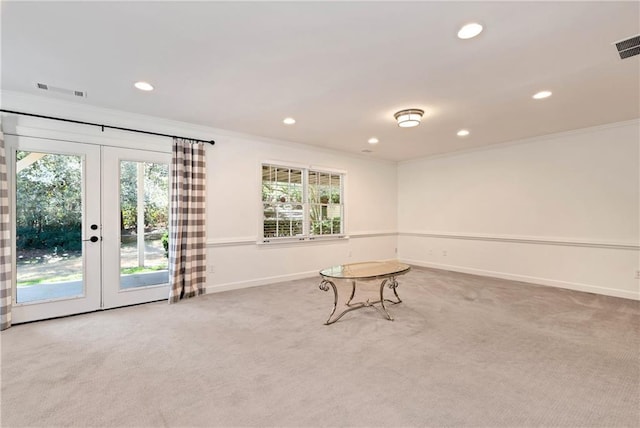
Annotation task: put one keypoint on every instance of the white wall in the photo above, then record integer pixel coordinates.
(234, 191)
(561, 210)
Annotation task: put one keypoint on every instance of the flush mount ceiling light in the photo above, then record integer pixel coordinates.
(289, 121)
(463, 133)
(143, 86)
(469, 31)
(542, 94)
(373, 140)
(409, 118)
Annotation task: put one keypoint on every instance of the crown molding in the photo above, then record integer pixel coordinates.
(531, 140)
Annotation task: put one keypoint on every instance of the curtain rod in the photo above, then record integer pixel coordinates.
(104, 126)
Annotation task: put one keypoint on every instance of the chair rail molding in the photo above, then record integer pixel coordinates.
(231, 242)
(536, 240)
(253, 240)
(372, 234)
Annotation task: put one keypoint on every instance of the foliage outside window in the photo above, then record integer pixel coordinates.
(156, 189)
(301, 203)
(44, 221)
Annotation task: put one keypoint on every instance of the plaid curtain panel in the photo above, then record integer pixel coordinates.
(187, 241)
(5, 244)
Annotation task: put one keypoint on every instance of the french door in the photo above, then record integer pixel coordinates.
(90, 227)
(135, 241)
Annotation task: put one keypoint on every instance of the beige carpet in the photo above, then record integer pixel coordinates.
(463, 351)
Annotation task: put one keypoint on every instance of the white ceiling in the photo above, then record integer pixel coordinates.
(341, 69)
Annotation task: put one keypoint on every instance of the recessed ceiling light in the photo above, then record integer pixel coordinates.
(463, 133)
(289, 121)
(144, 86)
(373, 140)
(542, 94)
(470, 30)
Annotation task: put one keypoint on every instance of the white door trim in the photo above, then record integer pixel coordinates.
(90, 300)
(113, 295)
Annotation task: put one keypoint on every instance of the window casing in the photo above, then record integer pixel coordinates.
(301, 203)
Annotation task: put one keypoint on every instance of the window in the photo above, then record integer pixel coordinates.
(301, 203)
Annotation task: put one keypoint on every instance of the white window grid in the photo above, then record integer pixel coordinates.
(301, 203)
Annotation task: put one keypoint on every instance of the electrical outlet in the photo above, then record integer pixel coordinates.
(444, 253)
(638, 274)
(212, 269)
(350, 254)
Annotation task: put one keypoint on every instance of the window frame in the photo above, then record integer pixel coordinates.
(306, 235)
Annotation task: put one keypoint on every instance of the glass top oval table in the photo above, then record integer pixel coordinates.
(366, 271)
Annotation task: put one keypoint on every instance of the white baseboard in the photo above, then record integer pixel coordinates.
(530, 279)
(216, 288)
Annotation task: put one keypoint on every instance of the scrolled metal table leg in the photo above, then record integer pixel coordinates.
(353, 291)
(393, 284)
(384, 308)
(324, 286)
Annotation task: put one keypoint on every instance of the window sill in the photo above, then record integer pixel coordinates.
(276, 241)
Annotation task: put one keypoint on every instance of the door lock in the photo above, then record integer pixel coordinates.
(92, 239)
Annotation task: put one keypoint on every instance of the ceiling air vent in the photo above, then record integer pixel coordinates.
(629, 47)
(63, 91)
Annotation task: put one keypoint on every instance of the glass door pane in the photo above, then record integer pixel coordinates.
(48, 226)
(136, 224)
(144, 233)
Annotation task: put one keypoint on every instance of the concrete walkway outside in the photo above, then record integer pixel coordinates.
(71, 266)
(71, 289)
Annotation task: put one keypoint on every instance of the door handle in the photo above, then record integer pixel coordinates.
(92, 239)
